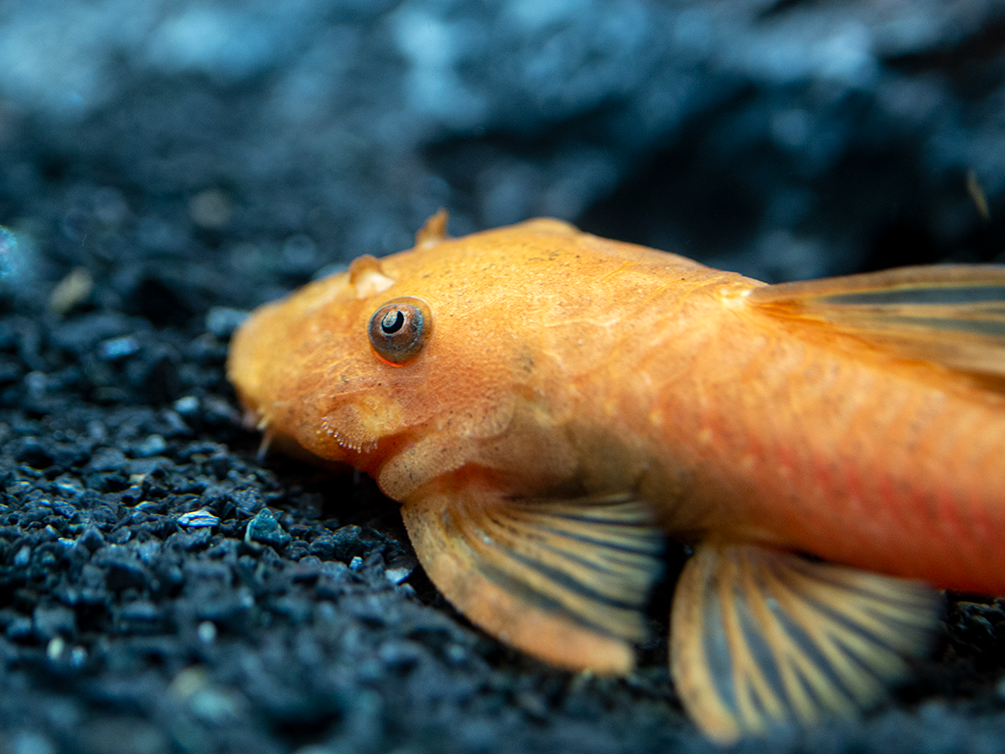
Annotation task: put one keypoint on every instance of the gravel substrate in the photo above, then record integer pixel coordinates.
(165, 169)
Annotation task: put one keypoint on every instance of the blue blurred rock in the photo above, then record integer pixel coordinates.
(839, 125)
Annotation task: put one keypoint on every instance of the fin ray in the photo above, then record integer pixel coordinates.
(953, 315)
(761, 637)
(564, 580)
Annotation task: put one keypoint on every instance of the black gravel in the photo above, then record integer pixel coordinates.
(166, 166)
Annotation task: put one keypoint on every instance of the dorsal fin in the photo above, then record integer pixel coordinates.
(949, 315)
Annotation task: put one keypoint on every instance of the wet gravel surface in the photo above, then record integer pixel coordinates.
(162, 171)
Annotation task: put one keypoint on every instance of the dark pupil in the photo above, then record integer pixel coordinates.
(392, 322)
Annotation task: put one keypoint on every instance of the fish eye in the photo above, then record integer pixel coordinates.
(399, 329)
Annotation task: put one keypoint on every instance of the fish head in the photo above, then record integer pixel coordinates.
(424, 347)
(420, 362)
(309, 376)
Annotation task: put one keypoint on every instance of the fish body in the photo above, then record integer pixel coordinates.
(545, 404)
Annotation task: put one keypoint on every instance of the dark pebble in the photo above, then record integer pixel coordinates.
(222, 321)
(139, 617)
(146, 466)
(400, 655)
(347, 543)
(108, 459)
(10, 370)
(371, 610)
(124, 574)
(156, 374)
(157, 300)
(220, 411)
(83, 333)
(153, 445)
(294, 609)
(207, 574)
(123, 735)
(247, 501)
(307, 570)
(333, 580)
(34, 453)
(265, 529)
(229, 609)
(92, 539)
(54, 620)
(20, 629)
(115, 349)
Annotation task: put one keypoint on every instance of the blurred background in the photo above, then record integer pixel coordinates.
(192, 152)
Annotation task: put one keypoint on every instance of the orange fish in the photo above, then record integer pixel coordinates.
(547, 405)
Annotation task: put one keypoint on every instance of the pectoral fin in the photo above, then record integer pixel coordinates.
(564, 581)
(760, 637)
(952, 315)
